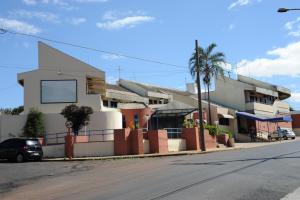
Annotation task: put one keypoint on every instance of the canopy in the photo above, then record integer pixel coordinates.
(226, 116)
(264, 118)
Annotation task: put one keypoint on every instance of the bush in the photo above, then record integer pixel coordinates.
(229, 133)
(34, 126)
(213, 130)
(77, 115)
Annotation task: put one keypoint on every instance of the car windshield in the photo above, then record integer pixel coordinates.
(32, 142)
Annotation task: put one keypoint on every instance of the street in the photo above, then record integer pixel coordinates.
(269, 172)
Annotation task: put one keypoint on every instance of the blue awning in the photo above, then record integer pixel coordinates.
(263, 118)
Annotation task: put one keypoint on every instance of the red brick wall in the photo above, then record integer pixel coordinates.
(158, 141)
(136, 142)
(122, 141)
(210, 141)
(129, 116)
(191, 136)
(263, 126)
(296, 121)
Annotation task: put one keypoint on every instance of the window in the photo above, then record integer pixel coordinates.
(58, 91)
(136, 121)
(113, 104)
(224, 121)
(105, 103)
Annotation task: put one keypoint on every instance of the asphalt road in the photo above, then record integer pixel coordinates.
(269, 172)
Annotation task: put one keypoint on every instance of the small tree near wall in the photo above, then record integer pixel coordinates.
(77, 115)
(34, 126)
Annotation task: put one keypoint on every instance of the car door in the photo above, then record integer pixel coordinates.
(4, 148)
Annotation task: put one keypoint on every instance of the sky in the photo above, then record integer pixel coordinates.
(257, 41)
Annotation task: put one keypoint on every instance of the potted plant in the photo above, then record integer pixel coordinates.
(230, 142)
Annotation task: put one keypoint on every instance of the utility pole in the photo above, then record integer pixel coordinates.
(201, 138)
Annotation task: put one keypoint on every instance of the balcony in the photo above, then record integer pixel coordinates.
(260, 108)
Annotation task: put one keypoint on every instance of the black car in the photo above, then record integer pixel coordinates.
(21, 149)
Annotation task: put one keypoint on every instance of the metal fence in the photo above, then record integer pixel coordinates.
(93, 136)
(174, 132)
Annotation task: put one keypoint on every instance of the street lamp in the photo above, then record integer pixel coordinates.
(282, 10)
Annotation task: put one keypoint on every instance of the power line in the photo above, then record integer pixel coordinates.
(3, 31)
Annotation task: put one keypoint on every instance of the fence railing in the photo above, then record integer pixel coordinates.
(93, 136)
(174, 132)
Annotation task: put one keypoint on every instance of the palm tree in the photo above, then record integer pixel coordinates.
(210, 66)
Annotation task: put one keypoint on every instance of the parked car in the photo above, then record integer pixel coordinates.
(288, 133)
(275, 135)
(21, 149)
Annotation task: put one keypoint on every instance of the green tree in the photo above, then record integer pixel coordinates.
(12, 111)
(34, 126)
(210, 66)
(77, 115)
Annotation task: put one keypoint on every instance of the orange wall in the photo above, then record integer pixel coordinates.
(129, 116)
(263, 126)
(296, 120)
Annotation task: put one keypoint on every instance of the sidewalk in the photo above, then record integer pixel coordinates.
(238, 146)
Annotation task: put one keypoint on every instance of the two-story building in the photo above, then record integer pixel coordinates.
(258, 104)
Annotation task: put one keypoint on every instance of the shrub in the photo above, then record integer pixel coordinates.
(213, 130)
(77, 115)
(34, 126)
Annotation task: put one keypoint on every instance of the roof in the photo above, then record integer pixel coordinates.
(174, 108)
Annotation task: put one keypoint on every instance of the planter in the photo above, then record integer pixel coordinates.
(230, 142)
(81, 139)
(222, 139)
(42, 141)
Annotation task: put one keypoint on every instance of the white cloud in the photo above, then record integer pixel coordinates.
(130, 22)
(238, 3)
(62, 4)
(77, 21)
(241, 3)
(44, 16)
(293, 27)
(29, 2)
(112, 79)
(111, 57)
(19, 26)
(296, 97)
(285, 63)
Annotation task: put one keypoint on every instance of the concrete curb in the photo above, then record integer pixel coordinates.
(182, 153)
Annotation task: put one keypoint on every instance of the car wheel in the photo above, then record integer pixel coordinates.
(293, 138)
(285, 138)
(19, 158)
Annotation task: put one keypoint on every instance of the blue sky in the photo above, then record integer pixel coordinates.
(253, 36)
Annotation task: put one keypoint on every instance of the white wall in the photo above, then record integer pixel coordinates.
(94, 149)
(146, 146)
(56, 65)
(54, 151)
(176, 145)
(55, 123)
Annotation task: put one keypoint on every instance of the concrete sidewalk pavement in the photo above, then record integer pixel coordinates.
(238, 146)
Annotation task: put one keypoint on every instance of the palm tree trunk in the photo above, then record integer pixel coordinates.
(208, 100)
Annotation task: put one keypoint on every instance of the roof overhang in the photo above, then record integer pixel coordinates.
(226, 116)
(264, 118)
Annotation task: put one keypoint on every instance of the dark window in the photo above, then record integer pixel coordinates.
(136, 121)
(105, 103)
(123, 121)
(113, 104)
(224, 121)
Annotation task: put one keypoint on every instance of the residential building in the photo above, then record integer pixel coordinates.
(258, 104)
